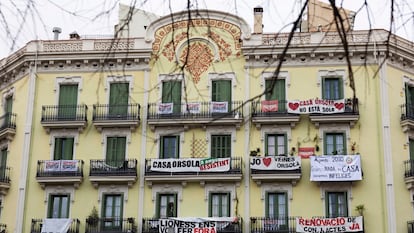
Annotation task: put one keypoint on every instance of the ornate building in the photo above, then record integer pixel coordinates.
(203, 126)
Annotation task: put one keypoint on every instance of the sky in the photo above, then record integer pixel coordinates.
(22, 21)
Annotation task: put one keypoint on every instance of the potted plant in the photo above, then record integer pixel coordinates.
(93, 217)
(360, 209)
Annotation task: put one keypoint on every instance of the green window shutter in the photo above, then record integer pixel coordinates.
(277, 92)
(169, 147)
(210, 205)
(9, 104)
(221, 92)
(158, 206)
(58, 206)
(411, 145)
(3, 163)
(115, 151)
(171, 93)
(332, 88)
(220, 146)
(63, 149)
(118, 99)
(409, 95)
(336, 204)
(335, 144)
(112, 209)
(68, 99)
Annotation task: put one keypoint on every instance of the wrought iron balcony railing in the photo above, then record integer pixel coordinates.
(8, 121)
(408, 168)
(151, 225)
(407, 112)
(36, 226)
(113, 168)
(235, 168)
(59, 168)
(259, 110)
(196, 110)
(275, 225)
(55, 113)
(111, 225)
(5, 175)
(106, 112)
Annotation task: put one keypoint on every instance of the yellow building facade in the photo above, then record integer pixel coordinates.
(203, 126)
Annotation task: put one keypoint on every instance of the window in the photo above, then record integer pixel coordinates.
(220, 146)
(63, 149)
(221, 92)
(112, 211)
(118, 99)
(275, 145)
(336, 204)
(58, 206)
(169, 147)
(411, 145)
(167, 205)
(219, 205)
(171, 93)
(277, 211)
(332, 88)
(3, 164)
(335, 144)
(115, 151)
(275, 90)
(68, 99)
(8, 106)
(409, 100)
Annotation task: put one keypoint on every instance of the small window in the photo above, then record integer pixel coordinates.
(167, 205)
(275, 145)
(58, 206)
(63, 149)
(332, 88)
(219, 205)
(170, 147)
(335, 144)
(220, 146)
(112, 209)
(336, 204)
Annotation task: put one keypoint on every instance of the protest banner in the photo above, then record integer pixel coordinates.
(316, 106)
(275, 163)
(191, 165)
(269, 105)
(165, 108)
(336, 168)
(219, 107)
(325, 225)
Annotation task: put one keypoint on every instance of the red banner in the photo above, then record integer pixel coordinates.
(270, 105)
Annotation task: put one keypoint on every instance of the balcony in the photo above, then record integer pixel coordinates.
(274, 225)
(151, 225)
(106, 116)
(64, 116)
(4, 180)
(8, 126)
(409, 174)
(275, 168)
(3, 228)
(410, 226)
(266, 114)
(111, 225)
(37, 224)
(185, 170)
(59, 172)
(407, 117)
(195, 114)
(105, 171)
(349, 116)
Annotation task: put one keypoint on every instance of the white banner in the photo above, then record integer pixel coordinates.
(316, 106)
(322, 225)
(219, 107)
(56, 225)
(194, 225)
(275, 163)
(61, 165)
(193, 107)
(191, 165)
(165, 108)
(336, 168)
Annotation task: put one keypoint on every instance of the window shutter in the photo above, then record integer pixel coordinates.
(67, 148)
(118, 99)
(58, 149)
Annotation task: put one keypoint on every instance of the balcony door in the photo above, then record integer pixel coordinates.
(58, 206)
(63, 149)
(115, 151)
(219, 205)
(336, 204)
(220, 146)
(221, 92)
(170, 147)
(171, 93)
(167, 205)
(276, 211)
(332, 88)
(118, 100)
(68, 99)
(409, 100)
(275, 90)
(8, 112)
(112, 212)
(3, 164)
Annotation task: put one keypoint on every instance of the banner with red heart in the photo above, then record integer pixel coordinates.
(322, 106)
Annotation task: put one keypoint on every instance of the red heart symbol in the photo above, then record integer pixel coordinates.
(293, 106)
(339, 106)
(267, 161)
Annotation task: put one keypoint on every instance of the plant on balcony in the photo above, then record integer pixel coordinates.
(93, 217)
(360, 209)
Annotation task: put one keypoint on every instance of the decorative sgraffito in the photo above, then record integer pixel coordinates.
(197, 59)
